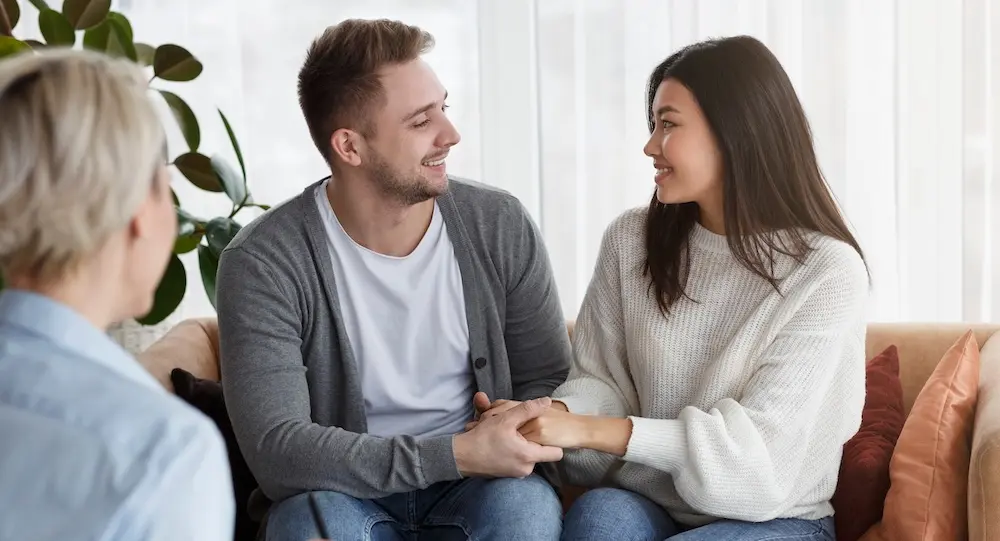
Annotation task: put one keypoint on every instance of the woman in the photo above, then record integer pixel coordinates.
(719, 352)
(93, 447)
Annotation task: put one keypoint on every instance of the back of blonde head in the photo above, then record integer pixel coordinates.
(80, 145)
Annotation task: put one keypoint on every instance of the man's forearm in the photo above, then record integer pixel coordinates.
(310, 457)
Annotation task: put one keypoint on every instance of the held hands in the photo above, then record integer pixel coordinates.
(493, 447)
(553, 427)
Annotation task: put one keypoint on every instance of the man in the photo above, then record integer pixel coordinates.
(359, 319)
(91, 445)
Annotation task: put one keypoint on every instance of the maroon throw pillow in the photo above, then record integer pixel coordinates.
(864, 469)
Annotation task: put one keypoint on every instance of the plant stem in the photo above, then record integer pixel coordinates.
(40, 5)
(237, 208)
(5, 29)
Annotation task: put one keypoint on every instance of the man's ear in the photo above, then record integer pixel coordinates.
(345, 146)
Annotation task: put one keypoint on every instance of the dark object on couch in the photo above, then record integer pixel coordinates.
(206, 397)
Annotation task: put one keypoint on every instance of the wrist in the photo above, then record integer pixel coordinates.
(463, 454)
(607, 434)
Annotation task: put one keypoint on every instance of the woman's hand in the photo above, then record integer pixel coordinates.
(486, 409)
(558, 428)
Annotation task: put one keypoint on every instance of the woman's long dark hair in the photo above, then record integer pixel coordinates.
(771, 180)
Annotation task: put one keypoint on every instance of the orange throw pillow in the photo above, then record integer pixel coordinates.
(929, 471)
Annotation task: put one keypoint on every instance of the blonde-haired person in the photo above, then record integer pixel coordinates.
(92, 446)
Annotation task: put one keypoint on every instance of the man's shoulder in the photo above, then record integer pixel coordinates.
(484, 205)
(280, 230)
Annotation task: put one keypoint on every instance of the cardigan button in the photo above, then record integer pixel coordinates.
(480, 363)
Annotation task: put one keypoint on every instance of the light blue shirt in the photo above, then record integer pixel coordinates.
(91, 445)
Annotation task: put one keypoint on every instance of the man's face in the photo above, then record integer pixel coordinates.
(405, 157)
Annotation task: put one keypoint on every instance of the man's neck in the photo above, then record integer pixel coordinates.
(381, 226)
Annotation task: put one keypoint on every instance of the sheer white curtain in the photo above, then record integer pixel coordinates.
(548, 96)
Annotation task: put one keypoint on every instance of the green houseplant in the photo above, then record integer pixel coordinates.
(111, 33)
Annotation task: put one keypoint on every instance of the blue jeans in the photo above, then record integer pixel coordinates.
(611, 513)
(473, 508)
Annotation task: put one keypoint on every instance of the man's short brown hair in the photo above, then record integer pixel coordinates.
(338, 82)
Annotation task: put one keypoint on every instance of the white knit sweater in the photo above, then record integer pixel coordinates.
(740, 399)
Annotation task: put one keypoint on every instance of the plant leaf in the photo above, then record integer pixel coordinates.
(9, 16)
(35, 44)
(236, 144)
(186, 120)
(208, 263)
(169, 293)
(112, 38)
(219, 232)
(198, 168)
(173, 195)
(124, 24)
(232, 184)
(190, 231)
(40, 5)
(187, 243)
(174, 63)
(10, 46)
(83, 14)
(144, 53)
(55, 28)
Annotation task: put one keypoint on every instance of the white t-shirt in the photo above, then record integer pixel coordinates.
(405, 319)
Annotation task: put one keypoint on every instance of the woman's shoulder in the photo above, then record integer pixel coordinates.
(835, 265)
(630, 225)
(630, 222)
(625, 235)
(831, 255)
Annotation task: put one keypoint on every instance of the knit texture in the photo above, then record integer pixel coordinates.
(742, 398)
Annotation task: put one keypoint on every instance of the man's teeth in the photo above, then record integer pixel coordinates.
(434, 163)
(664, 170)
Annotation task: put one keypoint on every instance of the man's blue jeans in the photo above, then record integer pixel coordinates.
(611, 513)
(477, 508)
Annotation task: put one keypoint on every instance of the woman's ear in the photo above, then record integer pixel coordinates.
(345, 146)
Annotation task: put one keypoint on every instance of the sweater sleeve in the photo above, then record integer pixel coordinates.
(740, 459)
(538, 349)
(599, 382)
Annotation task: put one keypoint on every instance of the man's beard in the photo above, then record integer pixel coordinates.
(405, 189)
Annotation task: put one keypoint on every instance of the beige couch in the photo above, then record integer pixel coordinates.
(193, 346)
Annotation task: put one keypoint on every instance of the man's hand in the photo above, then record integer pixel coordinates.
(484, 408)
(495, 448)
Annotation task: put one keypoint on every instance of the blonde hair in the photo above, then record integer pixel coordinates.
(80, 146)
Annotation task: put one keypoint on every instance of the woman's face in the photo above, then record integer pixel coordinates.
(686, 157)
(153, 232)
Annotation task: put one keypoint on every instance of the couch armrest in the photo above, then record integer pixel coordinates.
(984, 466)
(192, 344)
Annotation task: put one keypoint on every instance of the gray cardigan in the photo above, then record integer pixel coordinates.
(289, 376)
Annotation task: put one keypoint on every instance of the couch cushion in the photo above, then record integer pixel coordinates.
(921, 346)
(984, 466)
(929, 472)
(864, 469)
(192, 344)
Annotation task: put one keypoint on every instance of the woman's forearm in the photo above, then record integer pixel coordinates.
(606, 434)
